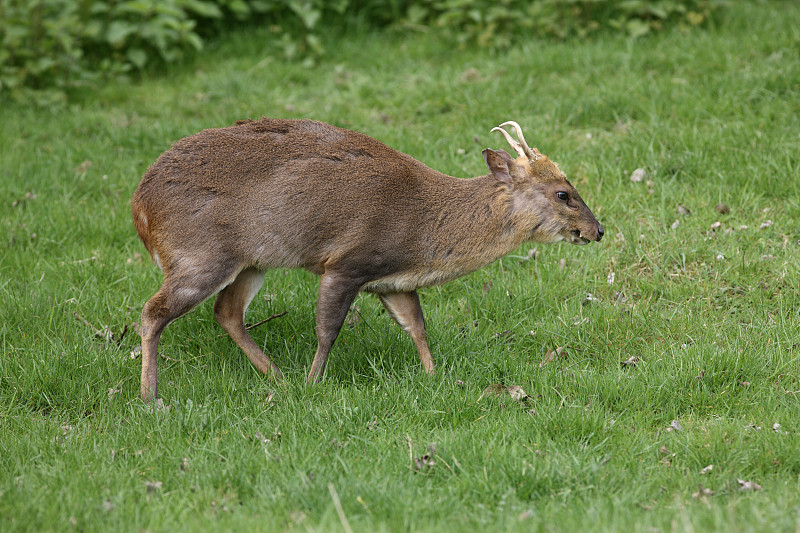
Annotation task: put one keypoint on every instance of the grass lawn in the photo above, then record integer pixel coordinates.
(679, 375)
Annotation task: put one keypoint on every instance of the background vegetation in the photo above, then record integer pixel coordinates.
(60, 44)
(661, 365)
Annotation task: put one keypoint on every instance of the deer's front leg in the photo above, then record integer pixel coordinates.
(407, 312)
(336, 294)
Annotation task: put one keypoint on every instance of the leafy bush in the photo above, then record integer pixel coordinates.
(497, 22)
(65, 43)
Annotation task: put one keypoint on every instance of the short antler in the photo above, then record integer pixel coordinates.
(521, 147)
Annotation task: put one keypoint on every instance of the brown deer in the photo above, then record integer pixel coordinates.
(221, 207)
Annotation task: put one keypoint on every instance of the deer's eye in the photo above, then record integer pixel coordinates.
(561, 195)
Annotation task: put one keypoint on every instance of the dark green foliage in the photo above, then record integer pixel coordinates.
(60, 44)
(66, 43)
(496, 22)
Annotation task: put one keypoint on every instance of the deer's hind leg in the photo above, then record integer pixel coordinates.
(185, 287)
(229, 309)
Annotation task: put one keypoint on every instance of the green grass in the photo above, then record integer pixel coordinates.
(711, 115)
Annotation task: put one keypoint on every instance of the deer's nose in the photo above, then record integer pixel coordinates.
(600, 232)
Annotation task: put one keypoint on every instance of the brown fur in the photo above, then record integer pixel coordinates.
(222, 206)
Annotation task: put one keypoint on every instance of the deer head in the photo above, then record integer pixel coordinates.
(542, 198)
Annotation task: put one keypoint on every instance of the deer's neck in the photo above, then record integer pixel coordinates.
(468, 224)
(476, 227)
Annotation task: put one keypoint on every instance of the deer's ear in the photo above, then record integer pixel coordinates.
(499, 163)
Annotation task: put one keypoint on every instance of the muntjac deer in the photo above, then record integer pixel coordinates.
(221, 207)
